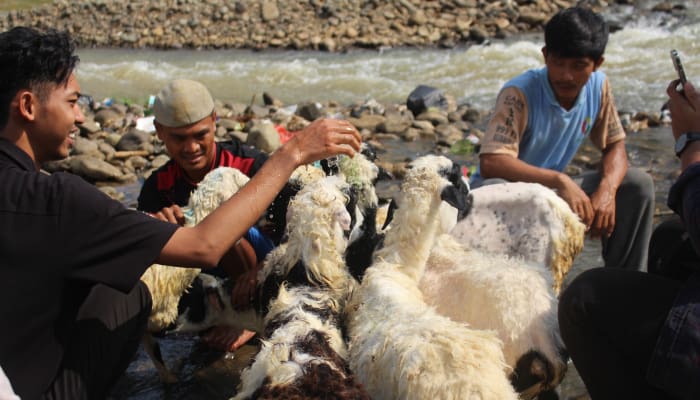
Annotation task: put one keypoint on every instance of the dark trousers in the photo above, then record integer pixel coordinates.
(110, 325)
(671, 254)
(610, 320)
(627, 247)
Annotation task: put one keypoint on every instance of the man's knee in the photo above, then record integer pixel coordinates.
(574, 301)
(638, 184)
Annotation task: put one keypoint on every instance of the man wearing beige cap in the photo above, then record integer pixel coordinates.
(185, 121)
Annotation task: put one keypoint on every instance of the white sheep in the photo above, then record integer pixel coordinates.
(497, 292)
(400, 347)
(303, 354)
(524, 220)
(166, 283)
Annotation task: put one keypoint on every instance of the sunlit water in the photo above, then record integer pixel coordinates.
(637, 64)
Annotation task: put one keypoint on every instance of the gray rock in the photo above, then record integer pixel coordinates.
(310, 111)
(424, 126)
(89, 126)
(263, 136)
(160, 160)
(106, 149)
(82, 145)
(136, 163)
(94, 169)
(436, 117)
(109, 118)
(112, 139)
(370, 122)
(112, 192)
(449, 134)
(269, 11)
(394, 123)
(133, 140)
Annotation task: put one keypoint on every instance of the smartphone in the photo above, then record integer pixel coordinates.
(679, 67)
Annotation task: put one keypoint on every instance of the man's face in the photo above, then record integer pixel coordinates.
(54, 127)
(191, 146)
(568, 75)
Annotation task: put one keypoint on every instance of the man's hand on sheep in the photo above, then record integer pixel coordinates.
(172, 214)
(324, 138)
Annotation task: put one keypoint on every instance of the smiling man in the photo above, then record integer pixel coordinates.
(72, 307)
(542, 117)
(185, 120)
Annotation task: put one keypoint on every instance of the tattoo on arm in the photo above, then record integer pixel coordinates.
(505, 132)
(514, 102)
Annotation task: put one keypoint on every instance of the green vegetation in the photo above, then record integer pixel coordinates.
(7, 5)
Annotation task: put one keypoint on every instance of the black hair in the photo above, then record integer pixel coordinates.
(576, 32)
(30, 59)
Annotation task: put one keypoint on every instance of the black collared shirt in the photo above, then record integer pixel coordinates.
(59, 234)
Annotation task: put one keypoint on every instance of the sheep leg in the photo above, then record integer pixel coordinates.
(152, 348)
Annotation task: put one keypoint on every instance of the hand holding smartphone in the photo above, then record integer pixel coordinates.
(679, 69)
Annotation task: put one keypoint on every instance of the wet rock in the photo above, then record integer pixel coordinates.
(370, 122)
(109, 118)
(85, 146)
(395, 123)
(112, 192)
(94, 169)
(310, 111)
(89, 128)
(263, 136)
(133, 140)
(436, 117)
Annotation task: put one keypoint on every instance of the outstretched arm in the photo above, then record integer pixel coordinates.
(206, 243)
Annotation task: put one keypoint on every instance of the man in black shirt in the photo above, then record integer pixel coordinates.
(71, 304)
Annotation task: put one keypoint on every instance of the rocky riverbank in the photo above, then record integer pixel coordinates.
(117, 144)
(330, 25)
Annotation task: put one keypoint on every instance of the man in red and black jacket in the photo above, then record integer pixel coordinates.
(185, 121)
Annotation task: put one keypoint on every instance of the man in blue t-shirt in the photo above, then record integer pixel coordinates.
(542, 117)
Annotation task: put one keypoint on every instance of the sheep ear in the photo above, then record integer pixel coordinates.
(459, 198)
(384, 175)
(390, 213)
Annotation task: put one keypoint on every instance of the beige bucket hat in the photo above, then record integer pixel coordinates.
(182, 102)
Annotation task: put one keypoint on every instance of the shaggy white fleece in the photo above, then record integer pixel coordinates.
(524, 220)
(497, 292)
(400, 347)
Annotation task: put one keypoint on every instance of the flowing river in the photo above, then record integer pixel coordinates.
(636, 61)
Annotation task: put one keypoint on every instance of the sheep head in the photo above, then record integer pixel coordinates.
(317, 221)
(454, 189)
(216, 187)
